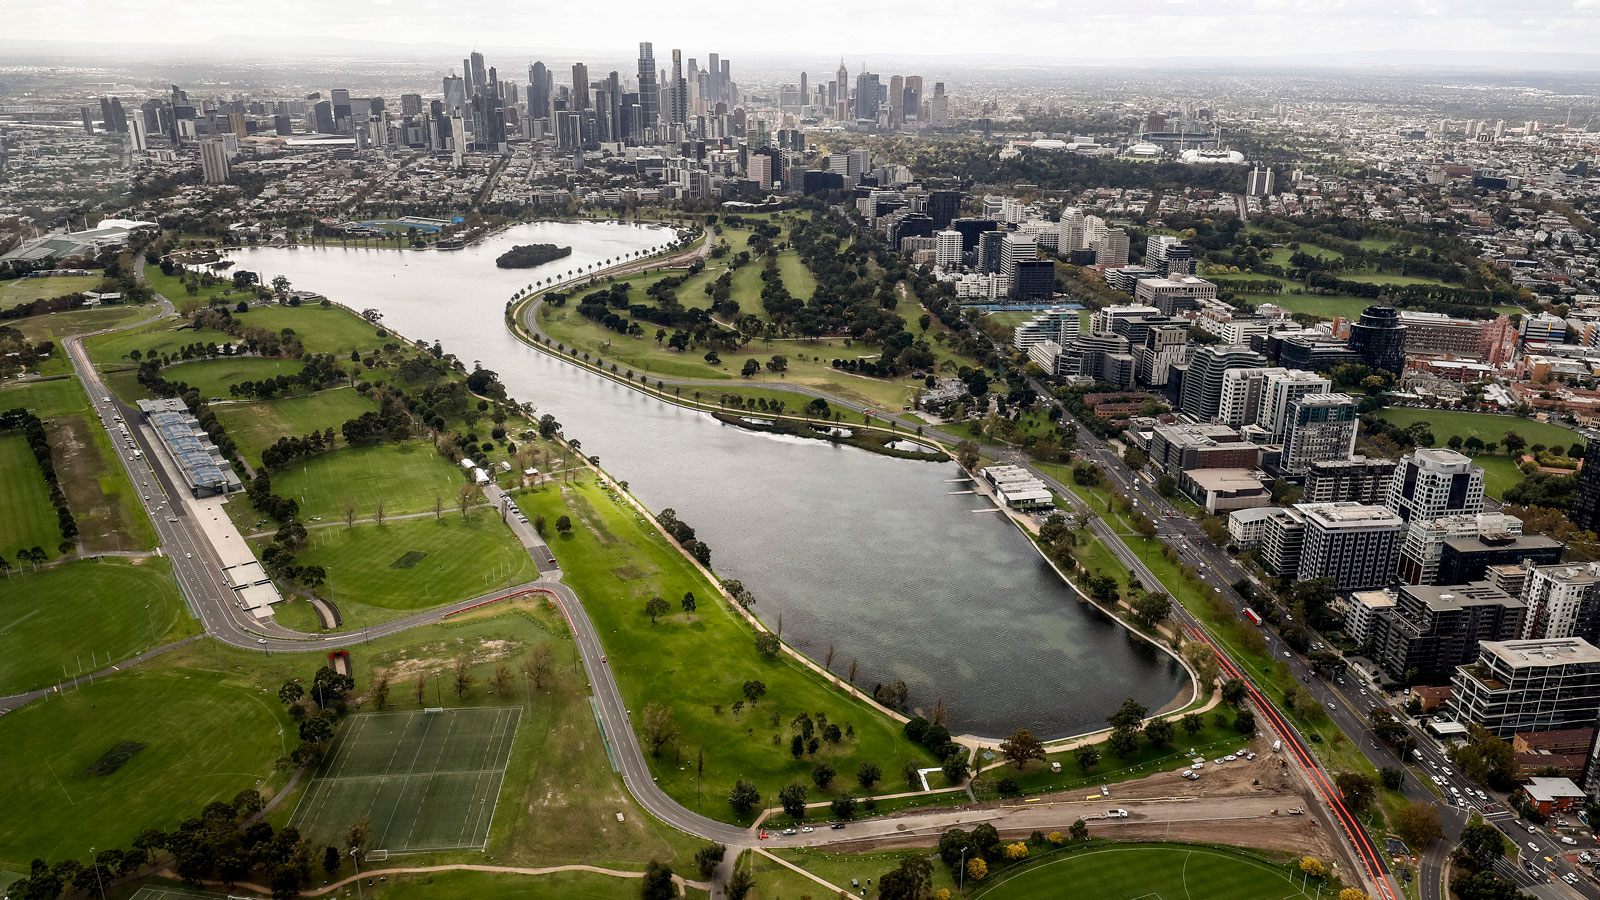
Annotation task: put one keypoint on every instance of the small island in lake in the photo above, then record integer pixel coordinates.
(526, 256)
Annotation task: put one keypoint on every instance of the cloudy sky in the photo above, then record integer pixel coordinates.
(1067, 30)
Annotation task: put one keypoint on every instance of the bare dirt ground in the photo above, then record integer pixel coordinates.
(1242, 803)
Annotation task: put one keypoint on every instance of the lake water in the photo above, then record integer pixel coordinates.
(875, 556)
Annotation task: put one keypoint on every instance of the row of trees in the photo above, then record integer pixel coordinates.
(39, 443)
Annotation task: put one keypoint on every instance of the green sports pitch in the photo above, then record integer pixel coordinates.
(424, 780)
(159, 893)
(1152, 872)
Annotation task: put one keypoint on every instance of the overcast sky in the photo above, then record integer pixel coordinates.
(1069, 30)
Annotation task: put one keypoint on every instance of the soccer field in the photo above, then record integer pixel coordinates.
(1151, 872)
(157, 893)
(423, 780)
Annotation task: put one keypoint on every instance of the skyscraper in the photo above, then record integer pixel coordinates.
(1431, 484)
(804, 90)
(649, 91)
(679, 111)
(897, 90)
(1585, 509)
(539, 91)
(1202, 384)
(619, 127)
(480, 79)
(1380, 338)
(713, 78)
(911, 99)
(214, 161)
(867, 90)
(580, 87)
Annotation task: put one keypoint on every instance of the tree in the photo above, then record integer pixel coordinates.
(1418, 824)
(291, 692)
(1513, 442)
(740, 884)
(331, 860)
(1129, 715)
(1244, 722)
(1392, 777)
(688, 601)
(1234, 691)
(977, 869)
(464, 497)
(1203, 660)
(659, 726)
(463, 676)
(563, 525)
(751, 367)
(1152, 609)
(754, 691)
(1087, 758)
(1021, 747)
(1359, 790)
(657, 883)
(349, 512)
(744, 797)
(822, 775)
(1192, 724)
(868, 775)
(768, 644)
(1160, 732)
(501, 679)
(541, 660)
(1079, 830)
(655, 607)
(707, 858)
(380, 691)
(793, 800)
(1313, 866)
(1481, 844)
(1353, 894)
(1015, 851)
(843, 807)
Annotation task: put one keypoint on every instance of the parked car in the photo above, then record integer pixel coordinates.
(1116, 814)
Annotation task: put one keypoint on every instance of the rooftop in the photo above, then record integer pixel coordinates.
(1549, 790)
(1225, 480)
(1545, 652)
(1460, 596)
(1349, 514)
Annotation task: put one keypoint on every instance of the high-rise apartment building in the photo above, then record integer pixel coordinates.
(1112, 249)
(1318, 427)
(1529, 685)
(1354, 545)
(1585, 509)
(1261, 182)
(947, 252)
(1563, 601)
(1281, 388)
(1202, 384)
(1429, 484)
(214, 161)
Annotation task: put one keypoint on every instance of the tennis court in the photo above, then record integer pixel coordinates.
(424, 780)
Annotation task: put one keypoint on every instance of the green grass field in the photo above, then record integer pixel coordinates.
(1446, 424)
(30, 518)
(55, 326)
(331, 330)
(157, 338)
(1164, 872)
(616, 563)
(80, 616)
(256, 426)
(463, 558)
(57, 397)
(427, 781)
(213, 377)
(501, 886)
(406, 476)
(838, 868)
(26, 290)
(206, 737)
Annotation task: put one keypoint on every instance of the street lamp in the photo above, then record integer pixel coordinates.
(961, 874)
(95, 862)
(355, 860)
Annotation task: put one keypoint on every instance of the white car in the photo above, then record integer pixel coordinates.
(1198, 764)
(1568, 841)
(1249, 756)
(1116, 814)
(1230, 757)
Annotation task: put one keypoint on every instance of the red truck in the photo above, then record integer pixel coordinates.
(1253, 616)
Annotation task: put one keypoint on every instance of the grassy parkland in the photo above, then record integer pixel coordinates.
(405, 477)
(103, 501)
(1163, 872)
(255, 426)
(617, 562)
(30, 518)
(62, 621)
(1500, 472)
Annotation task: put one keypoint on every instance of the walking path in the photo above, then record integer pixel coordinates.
(680, 881)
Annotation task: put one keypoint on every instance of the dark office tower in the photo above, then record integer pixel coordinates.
(1585, 509)
(680, 91)
(868, 90)
(538, 91)
(713, 78)
(649, 91)
(1380, 338)
(614, 109)
(88, 119)
(911, 100)
(478, 81)
(938, 89)
(410, 104)
(842, 79)
(580, 87)
(322, 117)
(943, 207)
(455, 93)
(628, 116)
(602, 113)
(105, 112)
(725, 82)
